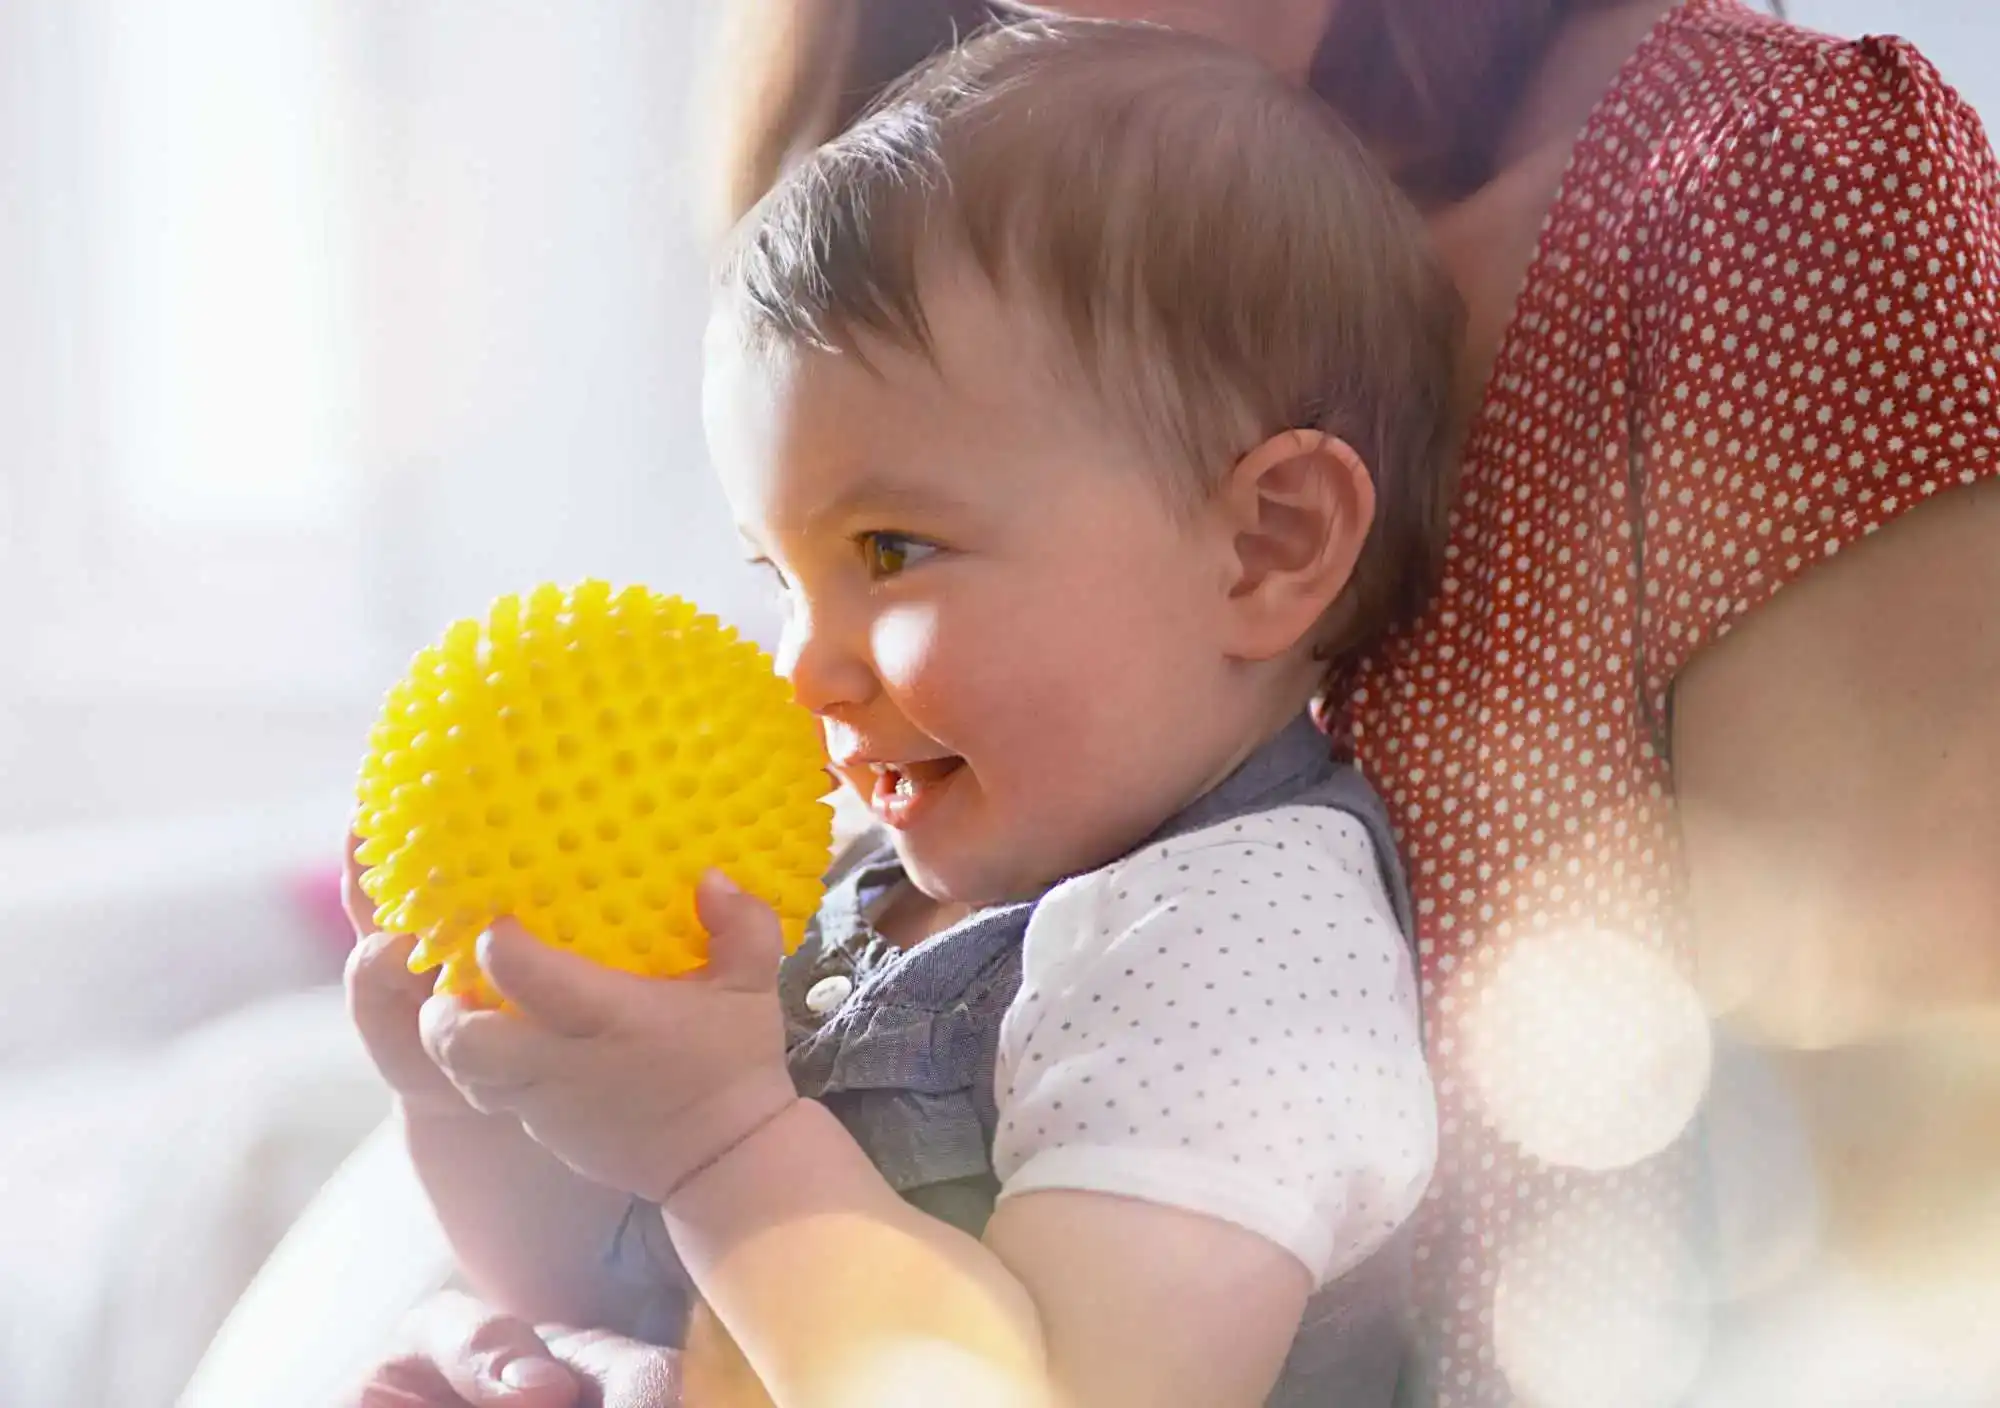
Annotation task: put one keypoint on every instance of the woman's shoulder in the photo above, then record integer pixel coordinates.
(1814, 269)
(1717, 76)
(1761, 39)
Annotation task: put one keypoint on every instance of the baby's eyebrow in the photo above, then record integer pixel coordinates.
(876, 495)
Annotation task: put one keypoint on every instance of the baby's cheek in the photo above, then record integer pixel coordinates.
(948, 655)
(904, 643)
(1011, 676)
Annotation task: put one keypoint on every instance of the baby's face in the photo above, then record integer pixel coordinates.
(1008, 634)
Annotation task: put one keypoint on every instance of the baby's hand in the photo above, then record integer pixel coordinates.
(384, 998)
(636, 1083)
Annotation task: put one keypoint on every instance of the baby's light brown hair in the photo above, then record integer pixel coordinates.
(1221, 255)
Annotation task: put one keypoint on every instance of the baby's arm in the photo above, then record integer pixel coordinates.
(840, 1292)
(1160, 1229)
(528, 1234)
(1142, 1303)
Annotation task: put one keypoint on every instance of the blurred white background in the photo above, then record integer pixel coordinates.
(321, 322)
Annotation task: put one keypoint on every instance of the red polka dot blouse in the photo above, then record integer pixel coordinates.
(1761, 322)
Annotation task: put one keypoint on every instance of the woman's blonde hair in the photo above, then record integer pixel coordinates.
(1426, 83)
(789, 74)
(1430, 84)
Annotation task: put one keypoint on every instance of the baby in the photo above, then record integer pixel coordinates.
(1085, 401)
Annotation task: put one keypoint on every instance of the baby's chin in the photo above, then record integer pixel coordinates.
(979, 852)
(973, 881)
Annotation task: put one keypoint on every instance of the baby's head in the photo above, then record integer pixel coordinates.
(1087, 398)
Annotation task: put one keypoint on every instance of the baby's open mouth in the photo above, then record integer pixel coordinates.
(902, 788)
(909, 778)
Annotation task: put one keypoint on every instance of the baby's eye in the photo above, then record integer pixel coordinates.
(886, 554)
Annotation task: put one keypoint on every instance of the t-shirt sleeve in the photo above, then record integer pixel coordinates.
(1226, 1023)
(1821, 349)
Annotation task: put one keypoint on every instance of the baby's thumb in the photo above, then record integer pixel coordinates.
(744, 940)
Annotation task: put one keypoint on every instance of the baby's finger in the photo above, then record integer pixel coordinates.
(490, 1053)
(378, 973)
(559, 990)
(353, 899)
(745, 945)
(383, 999)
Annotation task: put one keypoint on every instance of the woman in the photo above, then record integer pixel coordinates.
(1734, 290)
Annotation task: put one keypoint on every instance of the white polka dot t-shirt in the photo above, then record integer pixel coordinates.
(1226, 1023)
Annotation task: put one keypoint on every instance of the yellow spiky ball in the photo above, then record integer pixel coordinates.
(577, 760)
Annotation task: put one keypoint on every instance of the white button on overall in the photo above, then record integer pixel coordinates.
(828, 993)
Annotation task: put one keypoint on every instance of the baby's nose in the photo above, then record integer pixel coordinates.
(826, 676)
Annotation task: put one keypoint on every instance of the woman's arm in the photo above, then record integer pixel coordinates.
(1820, 584)
(838, 1290)
(1837, 765)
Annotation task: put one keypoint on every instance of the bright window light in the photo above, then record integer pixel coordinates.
(226, 333)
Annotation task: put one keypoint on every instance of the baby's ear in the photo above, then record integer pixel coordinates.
(1299, 506)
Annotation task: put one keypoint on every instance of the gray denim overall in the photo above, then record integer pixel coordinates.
(906, 1060)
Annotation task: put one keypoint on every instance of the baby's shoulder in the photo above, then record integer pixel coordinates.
(1303, 847)
(1279, 879)
(1257, 838)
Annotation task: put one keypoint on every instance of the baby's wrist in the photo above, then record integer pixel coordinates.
(748, 1113)
(439, 1110)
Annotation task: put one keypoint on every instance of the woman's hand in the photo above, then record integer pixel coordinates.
(462, 1354)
